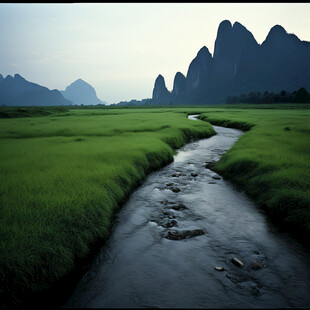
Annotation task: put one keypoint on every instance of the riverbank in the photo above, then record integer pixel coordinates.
(62, 179)
(271, 162)
(175, 243)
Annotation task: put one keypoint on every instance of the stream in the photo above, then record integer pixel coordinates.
(184, 221)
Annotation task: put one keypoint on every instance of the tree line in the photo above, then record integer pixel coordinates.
(299, 96)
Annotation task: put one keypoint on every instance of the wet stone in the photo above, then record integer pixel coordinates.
(219, 268)
(209, 165)
(194, 175)
(179, 207)
(211, 182)
(175, 189)
(164, 222)
(170, 184)
(237, 262)
(176, 175)
(170, 224)
(184, 234)
(215, 177)
(232, 279)
(165, 202)
(169, 214)
(256, 266)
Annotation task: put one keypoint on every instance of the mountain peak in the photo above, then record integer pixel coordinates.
(160, 92)
(160, 81)
(179, 84)
(234, 46)
(81, 92)
(276, 32)
(277, 29)
(239, 28)
(179, 75)
(237, 24)
(204, 51)
(280, 39)
(225, 25)
(79, 81)
(18, 77)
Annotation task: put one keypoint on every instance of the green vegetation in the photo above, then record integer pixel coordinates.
(62, 178)
(12, 112)
(271, 161)
(299, 96)
(65, 174)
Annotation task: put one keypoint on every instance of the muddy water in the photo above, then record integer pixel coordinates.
(177, 227)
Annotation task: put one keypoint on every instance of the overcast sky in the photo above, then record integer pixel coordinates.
(120, 48)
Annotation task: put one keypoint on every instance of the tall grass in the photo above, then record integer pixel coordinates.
(271, 161)
(63, 177)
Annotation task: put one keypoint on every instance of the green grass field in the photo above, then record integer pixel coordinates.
(62, 178)
(66, 171)
(271, 161)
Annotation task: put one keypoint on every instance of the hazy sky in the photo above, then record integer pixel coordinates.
(120, 48)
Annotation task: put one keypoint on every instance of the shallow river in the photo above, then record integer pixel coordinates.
(184, 221)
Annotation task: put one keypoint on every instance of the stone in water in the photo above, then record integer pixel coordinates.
(256, 266)
(237, 262)
(218, 268)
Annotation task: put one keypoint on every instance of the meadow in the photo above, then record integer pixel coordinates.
(64, 175)
(271, 161)
(66, 171)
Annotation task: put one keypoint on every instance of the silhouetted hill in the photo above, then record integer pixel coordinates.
(240, 65)
(16, 91)
(160, 91)
(80, 92)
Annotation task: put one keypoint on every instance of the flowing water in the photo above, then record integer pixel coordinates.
(184, 221)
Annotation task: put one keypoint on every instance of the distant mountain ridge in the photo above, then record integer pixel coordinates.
(239, 65)
(80, 92)
(17, 91)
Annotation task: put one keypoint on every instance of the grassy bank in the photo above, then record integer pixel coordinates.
(271, 161)
(62, 178)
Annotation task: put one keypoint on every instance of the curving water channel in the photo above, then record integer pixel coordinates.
(184, 221)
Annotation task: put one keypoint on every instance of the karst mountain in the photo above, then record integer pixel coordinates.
(17, 91)
(239, 65)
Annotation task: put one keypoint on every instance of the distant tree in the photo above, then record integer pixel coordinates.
(300, 96)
